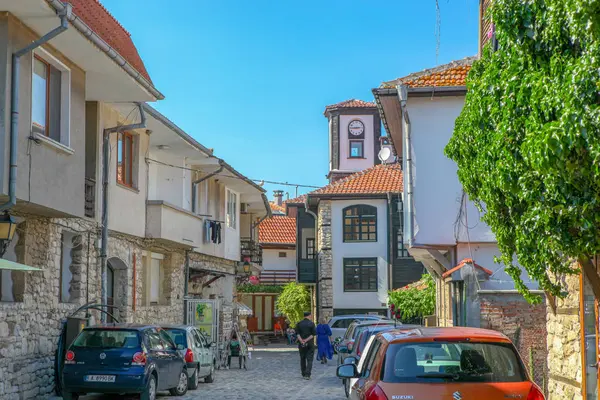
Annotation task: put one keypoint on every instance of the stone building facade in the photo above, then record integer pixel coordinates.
(325, 272)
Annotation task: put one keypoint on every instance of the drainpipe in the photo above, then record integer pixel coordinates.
(403, 96)
(64, 15)
(390, 241)
(317, 297)
(197, 182)
(105, 155)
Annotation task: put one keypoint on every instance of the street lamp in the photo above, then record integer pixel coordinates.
(8, 226)
(246, 267)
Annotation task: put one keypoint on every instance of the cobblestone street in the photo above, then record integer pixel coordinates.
(274, 374)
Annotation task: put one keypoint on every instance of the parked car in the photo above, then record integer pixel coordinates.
(438, 363)
(345, 347)
(340, 323)
(123, 358)
(198, 352)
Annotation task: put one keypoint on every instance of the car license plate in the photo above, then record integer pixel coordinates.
(99, 378)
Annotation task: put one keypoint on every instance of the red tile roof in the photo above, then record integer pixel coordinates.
(110, 30)
(275, 208)
(462, 264)
(352, 103)
(448, 75)
(277, 229)
(380, 179)
(419, 285)
(296, 200)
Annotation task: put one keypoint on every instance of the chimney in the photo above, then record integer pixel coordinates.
(278, 194)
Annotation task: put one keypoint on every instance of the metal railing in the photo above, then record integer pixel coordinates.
(277, 277)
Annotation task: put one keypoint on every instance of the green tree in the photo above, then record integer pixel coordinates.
(415, 300)
(293, 301)
(527, 142)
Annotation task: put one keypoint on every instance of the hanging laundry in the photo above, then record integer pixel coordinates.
(216, 232)
(207, 231)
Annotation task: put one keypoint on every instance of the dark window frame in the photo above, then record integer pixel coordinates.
(310, 248)
(357, 263)
(401, 250)
(283, 254)
(126, 163)
(362, 148)
(364, 216)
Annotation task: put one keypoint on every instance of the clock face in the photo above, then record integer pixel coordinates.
(356, 128)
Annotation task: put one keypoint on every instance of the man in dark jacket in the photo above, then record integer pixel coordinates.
(306, 332)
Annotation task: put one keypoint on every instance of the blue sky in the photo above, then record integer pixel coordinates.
(251, 78)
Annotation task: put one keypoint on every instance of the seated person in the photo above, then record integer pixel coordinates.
(291, 335)
(278, 328)
(234, 350)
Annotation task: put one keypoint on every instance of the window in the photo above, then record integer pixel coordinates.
(357, 149)
(166, 340)
(370, 359)
(310, 248)
(154, 340)
(125, 158)
(282, 254)
(71, 243)
(50, 98)
(360, 274)
(231, 209)
(154, 281)
(154, 286)
(360, 223)
(106, 339)
(12, 283)
(401, 250)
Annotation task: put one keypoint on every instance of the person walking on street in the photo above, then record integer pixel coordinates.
(324, 348)
(306, 332)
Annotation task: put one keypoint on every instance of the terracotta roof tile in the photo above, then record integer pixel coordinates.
(277, 229)
(419, 285)
(352, 103)
(462, 264)
(296, 200)
(447, 75)
(110, 30)
(275, 208)
(382, 178)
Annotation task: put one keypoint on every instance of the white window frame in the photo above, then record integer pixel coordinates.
(148, 260)
(232, 208)
(65, 107)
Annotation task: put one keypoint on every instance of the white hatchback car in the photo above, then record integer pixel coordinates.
(340, 323)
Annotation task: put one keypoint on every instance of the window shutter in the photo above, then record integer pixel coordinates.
(485, 24)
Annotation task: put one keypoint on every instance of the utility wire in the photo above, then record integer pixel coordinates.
(229, 176)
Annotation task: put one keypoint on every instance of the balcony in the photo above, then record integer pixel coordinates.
(169, 223)
(250, 250)
(277, 277)
(90, 197)
(307, 270)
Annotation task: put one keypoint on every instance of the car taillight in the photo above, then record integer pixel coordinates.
(139, 358)
(535, 393)
(70, 357)
(375, 393)
(350, 344)
(189, 356)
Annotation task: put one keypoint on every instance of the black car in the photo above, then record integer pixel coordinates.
(124, 358)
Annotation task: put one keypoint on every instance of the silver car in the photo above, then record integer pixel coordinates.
(198, 352)
(340, 323)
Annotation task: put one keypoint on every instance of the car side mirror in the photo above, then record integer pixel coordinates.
(343, 350)
(347, 371)
(350, 360)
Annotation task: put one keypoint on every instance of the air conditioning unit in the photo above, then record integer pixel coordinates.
(243, 208)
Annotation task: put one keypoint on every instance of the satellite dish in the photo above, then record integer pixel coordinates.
(385, 154)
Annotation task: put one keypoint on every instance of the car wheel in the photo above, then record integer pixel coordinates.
(194, 380)
(211, 377)
(182, 386)
(150, 392)
(70, 396)
(347, 388)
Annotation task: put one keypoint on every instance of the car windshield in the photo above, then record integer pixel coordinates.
(107, 339)
(452, 362)
(361, 328)
(179, 337)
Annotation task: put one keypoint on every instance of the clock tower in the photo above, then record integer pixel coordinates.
(354, 137)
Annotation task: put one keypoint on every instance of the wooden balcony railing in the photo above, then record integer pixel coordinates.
(277, 277)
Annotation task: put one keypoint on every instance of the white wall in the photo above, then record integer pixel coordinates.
(232, 235)
(483, 254)
(168, 183)
(437, 191)
(356, 164)
(340, 250)
(272, 261)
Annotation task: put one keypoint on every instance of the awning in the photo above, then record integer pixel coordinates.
(14, 266)
(243, 309)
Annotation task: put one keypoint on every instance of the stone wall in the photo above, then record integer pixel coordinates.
(30, 326)
(523, 323)
(325, 281)
(564, 345)
(443, 303)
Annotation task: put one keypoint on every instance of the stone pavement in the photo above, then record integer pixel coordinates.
(274, 374)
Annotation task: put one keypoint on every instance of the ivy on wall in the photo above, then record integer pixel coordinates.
(415, 300)
(527, 142)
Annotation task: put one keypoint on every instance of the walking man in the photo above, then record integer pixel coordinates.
(306, 332)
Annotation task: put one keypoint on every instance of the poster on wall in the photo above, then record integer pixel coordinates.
(203, 314)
